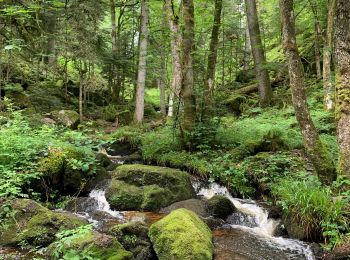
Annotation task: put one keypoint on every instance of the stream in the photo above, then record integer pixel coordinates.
(247, 234)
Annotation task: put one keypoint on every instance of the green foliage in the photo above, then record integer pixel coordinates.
(22, 146)
(67, 237)
(319, 209)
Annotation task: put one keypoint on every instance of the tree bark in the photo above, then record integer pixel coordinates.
(189, 107)
(342, 55)
(175, 43)
(317, 153)
(51, 40)
(258, 53)
(318, 38)
(141, 78)
(247, 50)
(212, 59)
(327, 58)
(114, 26)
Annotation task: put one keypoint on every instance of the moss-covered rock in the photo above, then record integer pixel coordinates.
(29, 222)
(181, 235)
(60, 173)
(234, 104)
(68, 118)
(123, 196)
(220, 207)
(134, 237)
(92, 244)
(199, 207)
(142, 187)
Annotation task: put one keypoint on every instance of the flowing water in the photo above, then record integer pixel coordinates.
(251, 234)
(248, 234)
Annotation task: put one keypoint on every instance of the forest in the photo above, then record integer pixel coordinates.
(175, 129)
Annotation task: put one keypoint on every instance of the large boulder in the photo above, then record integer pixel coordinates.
(24, 220)
(134, 237)
(181, 235)
(199, 207)
(220, 207)
(68, 170)
(148, 188)
(89, 245)
(67, 118)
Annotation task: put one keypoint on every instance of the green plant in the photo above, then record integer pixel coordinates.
(65, 238)
(317, 208)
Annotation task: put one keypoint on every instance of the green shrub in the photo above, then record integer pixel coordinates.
(22, 146)
(315, 207)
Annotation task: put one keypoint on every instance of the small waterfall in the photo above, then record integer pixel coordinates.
(103, 205)
(258, 222)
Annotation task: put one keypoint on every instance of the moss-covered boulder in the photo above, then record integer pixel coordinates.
(199, 207)
(68, 118)
(59, 171)
(26, 221)
(149, 188)
(234, 104)
(181, 235)
(220, 207)
(134, 237)
(89, 245)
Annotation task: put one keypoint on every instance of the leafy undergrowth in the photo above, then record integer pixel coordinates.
(22, 145)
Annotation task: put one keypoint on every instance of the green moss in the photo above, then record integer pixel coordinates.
(220, 207)
(123, 196)
(134, 237)
(142, 187)
(41, 228)
(155, 197)
(93, 245)
(182, 235)
(34, 224)
(68, 118)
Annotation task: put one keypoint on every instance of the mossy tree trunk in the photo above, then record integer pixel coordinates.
(265, 89)
(317, 153)
(175, 44)
(342, 54)
(141, 78)
(212, 59)
(327, 57)
(186, 94)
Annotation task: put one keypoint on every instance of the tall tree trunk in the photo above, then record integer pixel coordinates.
(141, 77)
(265, 89)
(318, 38)
(51, 40)
(247, 50)
(187, 96)
(114, 26)
(314, 147)
(175, 43)
(81, 86)
(342, 54)
(212, 59)
(162, 81)
(327, 57)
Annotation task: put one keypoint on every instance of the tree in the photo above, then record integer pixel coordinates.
(317, 41)
(327, 57)
(342, 54)
(212, 59)
(186, 94)
(141, 78)
(176, 39)
(316, 151)
(265, 89)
